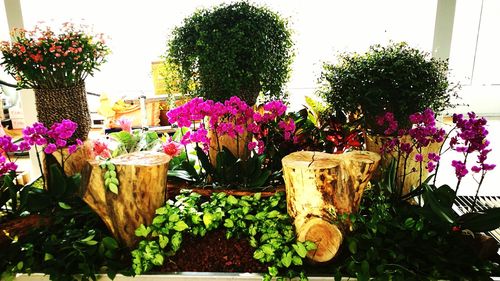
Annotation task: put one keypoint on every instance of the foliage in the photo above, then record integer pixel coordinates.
(395, 78)
(73, 241)
(43, 59)
(317, 130)
(233, 49)
(264, 221)
(402, 242)
(70, 238)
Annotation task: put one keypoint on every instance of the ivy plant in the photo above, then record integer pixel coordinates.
(232, 49)
(263, 220)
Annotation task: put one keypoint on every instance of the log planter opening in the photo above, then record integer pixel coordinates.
(320, 186)
(142, 190)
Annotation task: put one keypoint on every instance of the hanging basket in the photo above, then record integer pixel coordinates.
(54, 105)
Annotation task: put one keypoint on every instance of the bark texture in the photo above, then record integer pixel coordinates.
(319, 186)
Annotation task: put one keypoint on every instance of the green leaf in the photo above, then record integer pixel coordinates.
(125, 138)
(113, 188)
(142, 231)
(286, 259)
(110, 243)
(57, 182)
(163, 240)
(267, 249)
(173, 217)
(228, 223)
(296, 260)
(273, 271)
(300, 249)
(64, 205)
(232, 200)
(162, 211)
(205, 162)
(409, 223)
(257, 196)
(20, 265)
(48, 257)
(176, 241)
(158, 260)
(88, 238)
(207, 219)
(91, 242)
(261, 180)
(353, 246)
(273, 214)
(158, 220)
(444, 213)
(181, 174)
(310, 245)
(258, 254)
(486, 220)
(180, 226)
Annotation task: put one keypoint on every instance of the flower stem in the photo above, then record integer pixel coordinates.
(473, 206)
(40, 166)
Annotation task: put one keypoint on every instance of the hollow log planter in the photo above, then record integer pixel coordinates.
(142, 190)
(320, 186)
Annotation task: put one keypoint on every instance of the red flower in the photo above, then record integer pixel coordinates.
(36, 58)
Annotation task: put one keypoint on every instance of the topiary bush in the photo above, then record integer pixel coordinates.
(395, 78)
(233, 49)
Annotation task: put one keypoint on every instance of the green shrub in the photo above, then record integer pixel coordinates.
(396, 78)
(236, 49)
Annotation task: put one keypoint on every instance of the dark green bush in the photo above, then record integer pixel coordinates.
(396, 78)
(232, 50)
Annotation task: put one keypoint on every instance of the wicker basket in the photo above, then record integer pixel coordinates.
(54, 105)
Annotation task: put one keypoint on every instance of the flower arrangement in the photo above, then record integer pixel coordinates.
(231, 118)
(258, 135)
(43, 59)
(52, 139)
(467, 138)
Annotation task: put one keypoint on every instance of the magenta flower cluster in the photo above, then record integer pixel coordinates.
(422, 133)
(470, 138)
(232, 118)
(56, 137)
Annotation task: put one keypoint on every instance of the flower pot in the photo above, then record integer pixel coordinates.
(412, 170)
(54, 105)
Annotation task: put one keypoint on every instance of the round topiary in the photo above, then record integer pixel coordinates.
(232, 50)
(396, 78)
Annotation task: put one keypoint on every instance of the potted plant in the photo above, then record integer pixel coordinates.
(236, 145)
(55, 65)
(233, 49)
(396, 78)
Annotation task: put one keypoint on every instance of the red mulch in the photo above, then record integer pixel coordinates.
(214, 253)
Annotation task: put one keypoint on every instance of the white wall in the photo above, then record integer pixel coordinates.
(139, 31)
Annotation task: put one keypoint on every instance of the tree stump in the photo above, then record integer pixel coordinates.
(411, 172)
(237, 146)
(319, 186)
(142, 190)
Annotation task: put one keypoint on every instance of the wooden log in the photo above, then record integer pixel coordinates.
(20, 227)
(412, 172)
(320, 186)
(142, 190)
(73, 163)
(237, 146)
